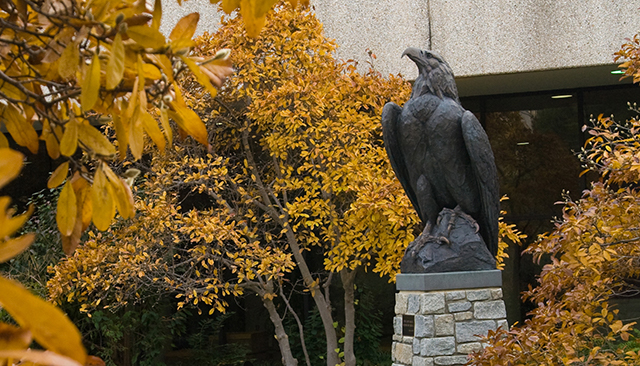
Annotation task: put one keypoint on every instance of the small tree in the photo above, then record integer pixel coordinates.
(594, 254)
(296, 165)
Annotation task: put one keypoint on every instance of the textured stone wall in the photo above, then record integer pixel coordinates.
(446, 325)
(477, 37)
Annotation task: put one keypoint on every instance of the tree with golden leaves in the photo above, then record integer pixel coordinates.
(296, 165)
(67, 67)
(594, 254)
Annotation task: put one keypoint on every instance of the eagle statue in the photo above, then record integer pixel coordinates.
(440, 152)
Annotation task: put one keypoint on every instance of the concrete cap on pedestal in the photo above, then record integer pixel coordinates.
(448, 280)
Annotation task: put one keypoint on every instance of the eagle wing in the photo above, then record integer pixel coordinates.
(390, 124)
(484, 169)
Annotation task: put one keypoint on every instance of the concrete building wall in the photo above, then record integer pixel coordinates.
(477, 37)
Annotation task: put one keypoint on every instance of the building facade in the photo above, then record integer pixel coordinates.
(533, 71)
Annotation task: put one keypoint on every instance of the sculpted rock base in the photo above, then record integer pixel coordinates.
(466, 251)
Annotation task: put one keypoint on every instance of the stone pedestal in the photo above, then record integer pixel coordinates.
(440, 317)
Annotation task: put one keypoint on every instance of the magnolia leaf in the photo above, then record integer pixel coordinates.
(13, 247)
(252, 21)
(203, 79)
(12, 337)
(136, 137)
(10, 225)
(3, 141)
(95, 140)
(151, 71)
(157, 15)
(166, 127)
(91, 85)
(38, 358)
(151, 127)
(123, 196)
(51, 142)
(229, 6)
(122, 135)
(66, 211)
(184, 30)
(59, 175)
(104, 209)
(69, 61)
(83, 199)
(190, 122)
(48, 324)
(10, 165)
(146, 37)
(69, 142)
(20, 129)
(115, 67)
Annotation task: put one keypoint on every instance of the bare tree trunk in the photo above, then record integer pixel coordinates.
(348, 283)
(281, 334)
(300, 327)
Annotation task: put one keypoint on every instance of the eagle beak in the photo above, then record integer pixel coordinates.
(412, 52)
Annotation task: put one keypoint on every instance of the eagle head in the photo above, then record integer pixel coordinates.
(434, 74)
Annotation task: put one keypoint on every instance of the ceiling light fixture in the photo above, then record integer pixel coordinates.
(561, 96)
(617, 72)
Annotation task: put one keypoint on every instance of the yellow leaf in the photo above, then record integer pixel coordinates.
(136, 138)
(12, 337)
(146, 36)
(202, 78)
(95, 140)
(13, 247)
(183, 31)
(166, 127)
(122, 135)
(83, 199)
(254, 14)
(69, 61)
(151, 71)
(33, 357)
(67, 210)
(123, 196)
(50, 327)
(115, 67)
(229, 6)
(59, 175)
(10, 165)
(187, 120)
(157, 15)
(151, 127)
(69, 142)
(91, 85)
(104, 209)
(20, 129)
(53, 147)
(3, 141)
(10, 225)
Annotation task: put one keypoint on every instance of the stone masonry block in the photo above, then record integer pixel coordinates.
(416, 346)
(467, 348)
(413, 304)
(422, 361)
(403, 353)
(397, 338)
(397, 325)
(441, 346)
(401, 303)
(458, 306)
(504, 324)
(496, 293)
(493, 309)
(470, 330)
(407, 340)
(444, 324)
(451, 360)
(432, 303)
(465, 315)
(478, 295)
(424, 326)
(455, 295)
